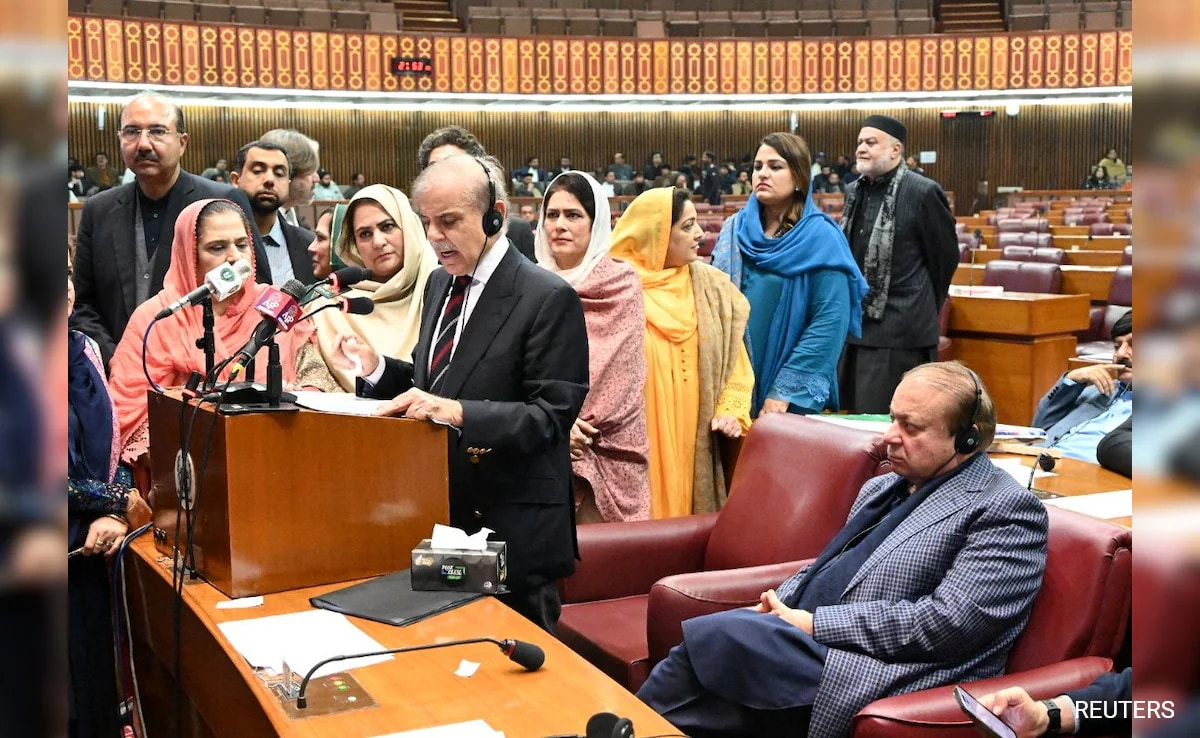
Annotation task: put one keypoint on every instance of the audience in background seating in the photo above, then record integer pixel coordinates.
(1099, 179)
(742, 186)
(103, 176)
(220, 167)
(698, 375)
(609, 185)
(527, 188)
(564, 165)
(608, 441)
(533, 169)
(793, 264)
(653, 167)
(1113, 165)
(358, 180)
(928, 584)
(912, 164)
(618, 167)
(326, 188)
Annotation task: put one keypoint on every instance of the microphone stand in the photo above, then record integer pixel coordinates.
(208, 342)
(274, 374)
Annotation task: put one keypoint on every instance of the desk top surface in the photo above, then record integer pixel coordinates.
(1072, 477)
(419, 690)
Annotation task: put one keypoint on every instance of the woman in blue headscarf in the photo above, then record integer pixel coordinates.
(793, 264)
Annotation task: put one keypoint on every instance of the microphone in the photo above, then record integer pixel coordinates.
(338, 282)
(281, 310)
(357, 305)
(528, 655)
(1045, 462)
(971, 275)
(219, 283)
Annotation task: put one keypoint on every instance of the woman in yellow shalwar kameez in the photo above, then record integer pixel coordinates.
(699, 378)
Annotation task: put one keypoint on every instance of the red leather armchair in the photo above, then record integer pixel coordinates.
(1078, 624)
(1024, 276)
(1097, 339)
(775, 513)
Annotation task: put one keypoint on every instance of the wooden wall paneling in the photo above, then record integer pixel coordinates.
(1043, 147)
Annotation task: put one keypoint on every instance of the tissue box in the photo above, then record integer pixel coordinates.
(459, 570)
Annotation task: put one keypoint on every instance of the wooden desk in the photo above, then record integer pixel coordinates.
(223, 698)
(1091, 281)
(1072, 477)
(1091, 243)
(1072, 258)
(1018, 343)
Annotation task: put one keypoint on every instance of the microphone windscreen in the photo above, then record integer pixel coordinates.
(358, 305)
(529, 655)
(350, 275)
(601, 725)
(1046, 462)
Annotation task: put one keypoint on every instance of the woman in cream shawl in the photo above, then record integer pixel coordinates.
(206, 232)
(699, 378)
(381, 232)
(608, 441)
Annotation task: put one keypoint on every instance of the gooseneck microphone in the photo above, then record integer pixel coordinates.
(528, 655)
(338, 282)
(219, 283)
(1045, 462)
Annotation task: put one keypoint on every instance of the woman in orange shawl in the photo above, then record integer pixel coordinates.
(698, 374)
(207, 233)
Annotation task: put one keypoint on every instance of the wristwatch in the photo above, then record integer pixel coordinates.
(1055, 714)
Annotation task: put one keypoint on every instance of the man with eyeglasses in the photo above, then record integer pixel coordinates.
(125, 233)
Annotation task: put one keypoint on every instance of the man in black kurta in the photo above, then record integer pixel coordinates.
(901, 231)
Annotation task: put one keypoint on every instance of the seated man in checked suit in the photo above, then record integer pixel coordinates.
(929, 583)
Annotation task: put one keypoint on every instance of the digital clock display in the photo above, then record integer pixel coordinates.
(412, 66)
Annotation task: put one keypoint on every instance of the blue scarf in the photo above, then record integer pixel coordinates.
(89, 415)
(815, 242)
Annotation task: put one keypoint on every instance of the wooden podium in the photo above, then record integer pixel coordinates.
(293, 500)
(1018, 343)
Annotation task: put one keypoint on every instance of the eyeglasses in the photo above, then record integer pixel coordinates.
(156, 133)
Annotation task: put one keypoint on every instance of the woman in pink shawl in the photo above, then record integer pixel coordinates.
(608, 442)
(207, 233)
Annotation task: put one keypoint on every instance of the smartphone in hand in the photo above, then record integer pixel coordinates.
(981, 716)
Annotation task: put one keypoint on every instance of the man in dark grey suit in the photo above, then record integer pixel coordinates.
(502, 358)
(125, 233)
(901, 231)
(262, 171)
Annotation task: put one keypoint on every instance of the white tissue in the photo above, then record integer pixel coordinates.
(445, 536)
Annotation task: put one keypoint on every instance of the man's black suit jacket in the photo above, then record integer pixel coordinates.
(106, 263)
(520, 370)
(298, 240)
(1111, 689)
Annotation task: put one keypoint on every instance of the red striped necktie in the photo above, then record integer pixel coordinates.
(443, 346)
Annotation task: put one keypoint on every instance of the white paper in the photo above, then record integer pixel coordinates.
(466, 668)
(1019, 470)
(342, 403)
(978, 290)
(301, 639)
(1103, 505)
(240, 603)
(445, 536)
(471, 729)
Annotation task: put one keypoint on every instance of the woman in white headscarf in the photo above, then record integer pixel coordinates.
(609, 448)
(381, 232)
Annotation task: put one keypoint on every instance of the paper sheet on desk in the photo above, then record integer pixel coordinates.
(341, 403)
(1019, 470)
(1103, 505)
(301, 639)
(472, 729)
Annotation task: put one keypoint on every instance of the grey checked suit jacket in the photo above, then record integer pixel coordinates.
(940, 601)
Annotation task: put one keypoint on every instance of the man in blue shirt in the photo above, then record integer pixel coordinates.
(1087, 403)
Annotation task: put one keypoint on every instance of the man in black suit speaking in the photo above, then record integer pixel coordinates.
(503, 358)
(124, 238)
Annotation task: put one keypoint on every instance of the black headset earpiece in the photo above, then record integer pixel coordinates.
(608, 725)
(968, 438)
(493, 221)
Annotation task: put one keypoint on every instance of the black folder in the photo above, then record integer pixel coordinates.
(391, 599)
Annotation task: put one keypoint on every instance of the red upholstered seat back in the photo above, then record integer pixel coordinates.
(1084, 606)
(795, 481)
(1023, 276)
(1120, 292)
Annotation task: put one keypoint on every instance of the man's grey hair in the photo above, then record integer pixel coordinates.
(476, 190)
(303, 152)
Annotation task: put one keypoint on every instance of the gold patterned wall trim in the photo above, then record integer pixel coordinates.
(226, 55)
